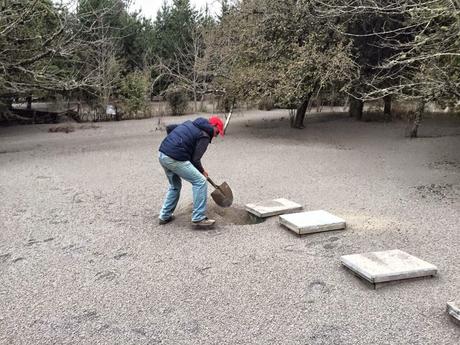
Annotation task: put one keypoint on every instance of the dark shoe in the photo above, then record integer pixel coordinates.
(204, 223)
(165, 221)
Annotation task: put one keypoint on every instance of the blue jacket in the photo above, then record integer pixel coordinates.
(188, 141)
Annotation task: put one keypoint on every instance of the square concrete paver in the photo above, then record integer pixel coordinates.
(385, 266)
(272, 207)
(453, 309)
(312, 221)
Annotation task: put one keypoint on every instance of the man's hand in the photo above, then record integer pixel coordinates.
(205, 173)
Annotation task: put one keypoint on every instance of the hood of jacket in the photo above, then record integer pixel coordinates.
(204, 125)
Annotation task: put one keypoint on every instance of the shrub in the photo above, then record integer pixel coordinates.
(133, 90)
(225, 102)
(177, 100)
(266, 103)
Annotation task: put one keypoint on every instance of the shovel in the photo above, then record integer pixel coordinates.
(222, 195)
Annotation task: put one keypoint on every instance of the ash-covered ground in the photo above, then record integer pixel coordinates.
(84, 261)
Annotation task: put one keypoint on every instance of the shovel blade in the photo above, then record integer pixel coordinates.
(223, 196)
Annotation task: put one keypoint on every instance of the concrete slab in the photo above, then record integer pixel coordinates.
(453, 309)
(273, 207)
(312, 221)
(390, 265)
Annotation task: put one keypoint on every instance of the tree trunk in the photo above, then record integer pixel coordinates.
(356, 108)
(195, 101)
(29, 102)
(387, 108)
(318, 104)
(9, 103)
(202, 102)
(297, 121)
(418, 119)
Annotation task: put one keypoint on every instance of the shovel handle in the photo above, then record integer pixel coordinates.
(212, 182)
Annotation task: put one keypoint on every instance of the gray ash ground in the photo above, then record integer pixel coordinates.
(84, 261)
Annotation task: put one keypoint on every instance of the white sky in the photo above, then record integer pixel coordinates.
(150, 8)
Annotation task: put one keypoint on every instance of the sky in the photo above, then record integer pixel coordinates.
(150, 8)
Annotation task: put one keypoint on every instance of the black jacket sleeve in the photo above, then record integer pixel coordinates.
(200, 149)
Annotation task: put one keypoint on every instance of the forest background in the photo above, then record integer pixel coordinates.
(106, 62)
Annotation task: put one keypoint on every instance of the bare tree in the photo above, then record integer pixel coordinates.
(188, 70)
(38, 41)
(49, 48)
(101, 69)
(279, 50)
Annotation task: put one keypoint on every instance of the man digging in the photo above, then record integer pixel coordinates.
(180, 156)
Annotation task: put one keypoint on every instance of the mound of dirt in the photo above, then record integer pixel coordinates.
(235, 214)
(62, 129)
(70, 128)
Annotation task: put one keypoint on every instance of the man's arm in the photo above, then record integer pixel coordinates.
(200, 149)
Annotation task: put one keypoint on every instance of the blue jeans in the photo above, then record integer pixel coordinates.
(175, 170)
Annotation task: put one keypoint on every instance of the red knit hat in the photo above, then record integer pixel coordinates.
(216, 121)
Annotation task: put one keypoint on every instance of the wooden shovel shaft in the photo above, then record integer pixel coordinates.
(212, 182)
